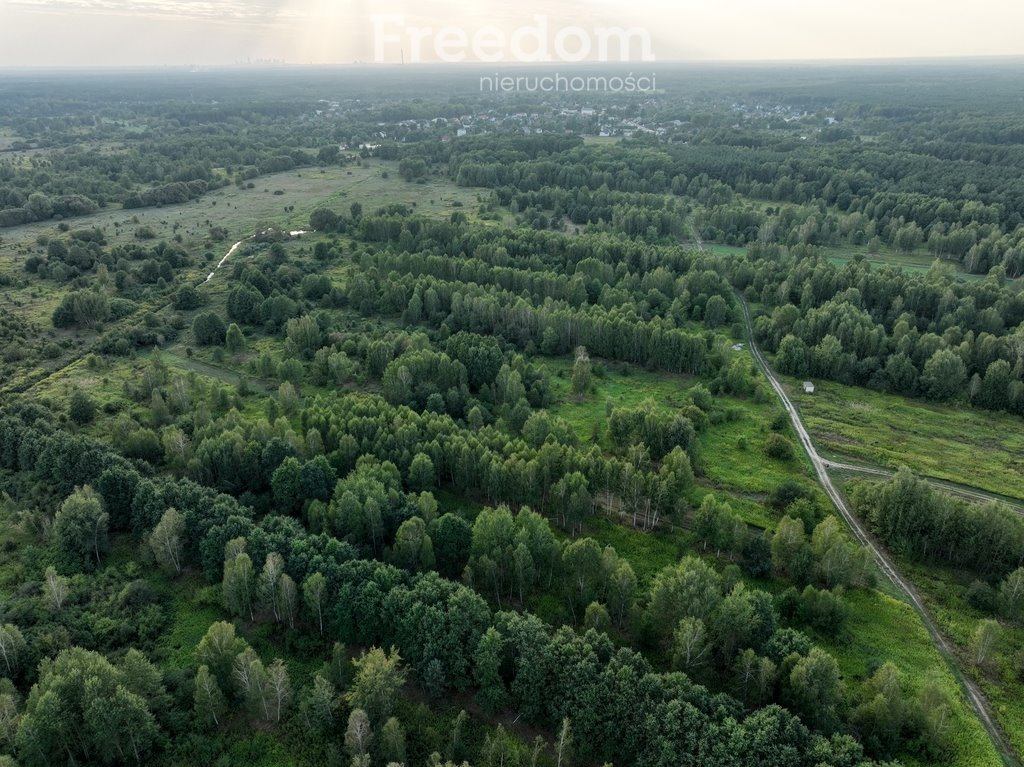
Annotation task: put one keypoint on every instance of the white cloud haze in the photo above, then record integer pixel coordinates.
(100, 33)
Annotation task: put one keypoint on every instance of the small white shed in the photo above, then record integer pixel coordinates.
(808, 387)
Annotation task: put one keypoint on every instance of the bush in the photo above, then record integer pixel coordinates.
(981, 596)
(782, 496)
(208, 328)
(186, 298)
(121, 308)
(81, 408)
(786, 641)
(145, 445)
(757, 557)
(777, 446)
(83, 308)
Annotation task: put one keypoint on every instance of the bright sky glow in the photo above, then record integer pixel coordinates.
(214, 32)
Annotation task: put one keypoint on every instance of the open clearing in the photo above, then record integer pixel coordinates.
(281, 199)
(967, 446)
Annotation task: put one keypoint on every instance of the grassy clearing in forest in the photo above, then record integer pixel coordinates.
(731, 451)
(238, 211)
(882, 629)
(280, 199)
(944, 591)
(967, 446)
(919, 261)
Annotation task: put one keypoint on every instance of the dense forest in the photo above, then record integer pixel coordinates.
(338, 428)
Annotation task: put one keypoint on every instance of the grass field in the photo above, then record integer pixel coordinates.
(917, 261)
(238, 211)
(719, 249)
(621, 386)
(242, 211)
(730, 453)
(962, 445)
(647, 553)
(944, 592)
(884, 629)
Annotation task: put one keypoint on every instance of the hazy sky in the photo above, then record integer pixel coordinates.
(209, 32)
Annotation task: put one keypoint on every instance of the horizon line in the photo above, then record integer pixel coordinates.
(270, 64)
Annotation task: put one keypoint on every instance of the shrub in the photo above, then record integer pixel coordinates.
(208, 328)
(777, 446)
(81, 407)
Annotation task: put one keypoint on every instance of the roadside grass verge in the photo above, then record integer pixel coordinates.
(944, 590)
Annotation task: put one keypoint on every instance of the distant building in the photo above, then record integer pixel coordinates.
(808, 387)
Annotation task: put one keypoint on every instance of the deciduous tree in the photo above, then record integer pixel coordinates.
(167, 541)
(378, 677)
(986, 637)
(239, 584)
(492, 695)
(208, 700)
(12, 649)
(56, 588)
(358, 735)
(81, 528)
(314, 590)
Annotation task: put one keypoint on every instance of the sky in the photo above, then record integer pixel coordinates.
(111, 33)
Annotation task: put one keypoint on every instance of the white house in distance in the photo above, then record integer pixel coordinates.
(808, 387)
